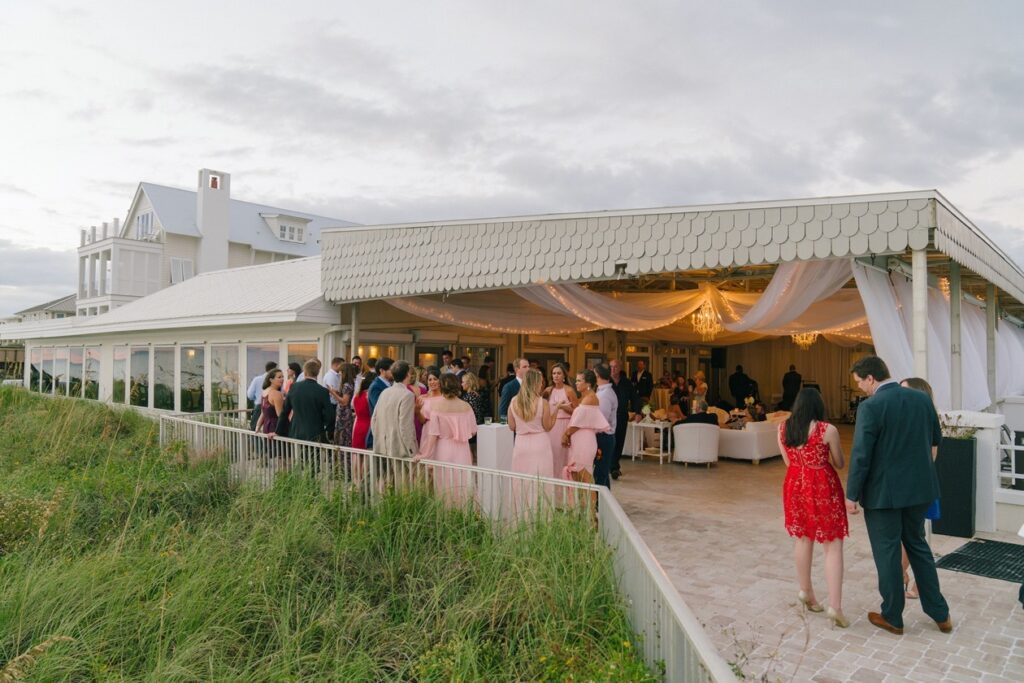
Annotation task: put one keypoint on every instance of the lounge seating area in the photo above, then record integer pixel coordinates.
(705, 444)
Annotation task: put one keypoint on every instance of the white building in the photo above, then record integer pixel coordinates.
(170, 235)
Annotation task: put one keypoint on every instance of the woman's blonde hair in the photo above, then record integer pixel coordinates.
(470, 380)
(700, 375)
(526, 400)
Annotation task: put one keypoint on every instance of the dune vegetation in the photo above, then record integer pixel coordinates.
(122, 561)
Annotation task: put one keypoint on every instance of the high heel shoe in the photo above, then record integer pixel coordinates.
(811, 606)
(837, 618)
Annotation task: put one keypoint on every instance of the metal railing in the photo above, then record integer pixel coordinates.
(672, 640)
(1010, 476)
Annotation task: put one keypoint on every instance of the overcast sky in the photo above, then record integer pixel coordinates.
(375, 112)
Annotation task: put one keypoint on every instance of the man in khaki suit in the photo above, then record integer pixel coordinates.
(394, 432)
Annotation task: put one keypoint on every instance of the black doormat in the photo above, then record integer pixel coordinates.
(993, 559)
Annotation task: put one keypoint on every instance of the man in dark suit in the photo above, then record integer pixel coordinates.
(511, 388)
(382, 382)
(892, 475)
(629, 400)
(699, 416)
(739, 386)
(791, 383)
(643, 380)
(310, 406)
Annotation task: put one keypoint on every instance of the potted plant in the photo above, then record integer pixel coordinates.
(956, 469)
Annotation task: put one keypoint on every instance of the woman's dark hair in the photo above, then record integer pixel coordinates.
(510, 369)
(296, 368)
(807, 408)
(451, 387)
(270, 377)
(433, 371)
(348, 374)
(367, 381)
(920, 385)
(691, 384)
(589, 377)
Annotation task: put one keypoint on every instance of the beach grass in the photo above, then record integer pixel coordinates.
(130, 563)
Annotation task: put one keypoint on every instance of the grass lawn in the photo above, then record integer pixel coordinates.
(122, 562)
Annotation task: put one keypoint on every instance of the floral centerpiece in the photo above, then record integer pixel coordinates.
(749, 402)
(646, 410)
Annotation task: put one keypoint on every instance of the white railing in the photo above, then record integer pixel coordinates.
(673, 642)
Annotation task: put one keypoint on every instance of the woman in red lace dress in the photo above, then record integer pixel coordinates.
(813, 500)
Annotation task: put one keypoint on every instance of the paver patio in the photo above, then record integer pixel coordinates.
(719, 535)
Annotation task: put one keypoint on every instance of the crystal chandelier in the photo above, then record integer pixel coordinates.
(805, 340)
(705, 322)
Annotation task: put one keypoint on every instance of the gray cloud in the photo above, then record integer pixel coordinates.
(34, 275)
(8, 188)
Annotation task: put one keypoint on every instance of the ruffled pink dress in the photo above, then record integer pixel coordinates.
(446, 439)
(531, 455)
(588, 421)
(559, 454)
(428, 401)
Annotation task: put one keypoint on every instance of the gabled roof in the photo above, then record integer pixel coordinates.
(176, 210)
(65, 304)
(496, 253)
(286, 291)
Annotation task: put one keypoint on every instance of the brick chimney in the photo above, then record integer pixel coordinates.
(213, 199)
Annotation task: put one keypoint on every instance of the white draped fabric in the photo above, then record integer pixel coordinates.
(626, 312)
(793, 289)
(493, 311)
(885, 320)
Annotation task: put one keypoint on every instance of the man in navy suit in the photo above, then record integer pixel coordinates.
(511, 389)
(382, 382)
(892, 475)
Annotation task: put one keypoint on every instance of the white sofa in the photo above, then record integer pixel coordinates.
(697, 443)
(755, 442)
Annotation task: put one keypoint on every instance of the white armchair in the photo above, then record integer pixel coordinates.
(695, 443)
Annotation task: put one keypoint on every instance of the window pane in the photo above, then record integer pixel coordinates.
(46, 383)
(77, 359)
(192, 379)
(36, 369)
(60, 371)
(163, 378)
(257, 356)
(300, 352)
(224, 376)
(120, 371)
(91, 374)
(138, 392)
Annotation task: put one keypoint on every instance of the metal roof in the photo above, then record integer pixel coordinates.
(376, 262)
(65, 304)
(286, 291)
(176, 209)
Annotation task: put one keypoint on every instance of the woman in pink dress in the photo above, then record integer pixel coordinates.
(424, 402)
(813, 500)
(531, 419)
(562, 401)
(446, 439)
(581, 433)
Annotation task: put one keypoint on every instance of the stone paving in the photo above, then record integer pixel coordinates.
(719, 535)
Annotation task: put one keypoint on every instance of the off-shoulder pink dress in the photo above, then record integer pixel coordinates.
(559, 454)
(588, 421)
(428, 401)
(446, 439)
(530, 455)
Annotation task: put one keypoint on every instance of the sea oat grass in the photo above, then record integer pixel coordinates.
(160, 570)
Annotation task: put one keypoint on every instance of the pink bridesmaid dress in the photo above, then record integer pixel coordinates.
(559, 453)
(588, 421)
(531, 455)
(446, 439)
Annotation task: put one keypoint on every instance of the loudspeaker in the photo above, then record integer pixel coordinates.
(718, 357)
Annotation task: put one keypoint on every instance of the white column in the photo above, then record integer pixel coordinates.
(177, 377)
(104, 258)
(956, 381)
(207, 378)
(919, 276)
(354, 333)
(990, 339)
(90, 284)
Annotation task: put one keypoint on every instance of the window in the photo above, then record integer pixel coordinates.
(214, 182)
(77, 361)
(224, 377)
(291, 233)
(120, 371)
(36, 359)
(138, 390)
(144, 225)
(163, 377)
(256, 358)
(60, 371)
(181, 270)
(191, 369)
(91, 376)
